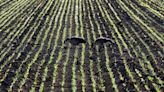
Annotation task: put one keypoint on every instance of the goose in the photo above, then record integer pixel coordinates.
(75, 40)
(103, 40)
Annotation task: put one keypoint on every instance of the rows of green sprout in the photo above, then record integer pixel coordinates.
(33, 56)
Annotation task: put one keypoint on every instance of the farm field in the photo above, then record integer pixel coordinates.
(34, 58)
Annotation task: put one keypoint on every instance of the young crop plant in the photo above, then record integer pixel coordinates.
(81, 46)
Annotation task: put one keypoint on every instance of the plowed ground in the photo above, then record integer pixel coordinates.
(33, 56)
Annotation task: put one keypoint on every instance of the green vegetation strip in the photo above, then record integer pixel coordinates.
(17, 73)
(43, 61)
(68, 50)
(73, 12)
(16, 31)
(55, 66)
(16, 51)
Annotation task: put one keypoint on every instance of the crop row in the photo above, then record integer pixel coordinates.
(33, 56)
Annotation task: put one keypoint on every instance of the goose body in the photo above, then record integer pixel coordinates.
(103, 40)
(75, 40)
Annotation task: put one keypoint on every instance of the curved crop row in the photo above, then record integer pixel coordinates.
(34, 57)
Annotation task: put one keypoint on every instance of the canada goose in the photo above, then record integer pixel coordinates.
(103, 40)
(75, 40)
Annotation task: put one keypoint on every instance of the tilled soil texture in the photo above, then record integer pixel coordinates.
(34, 57)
